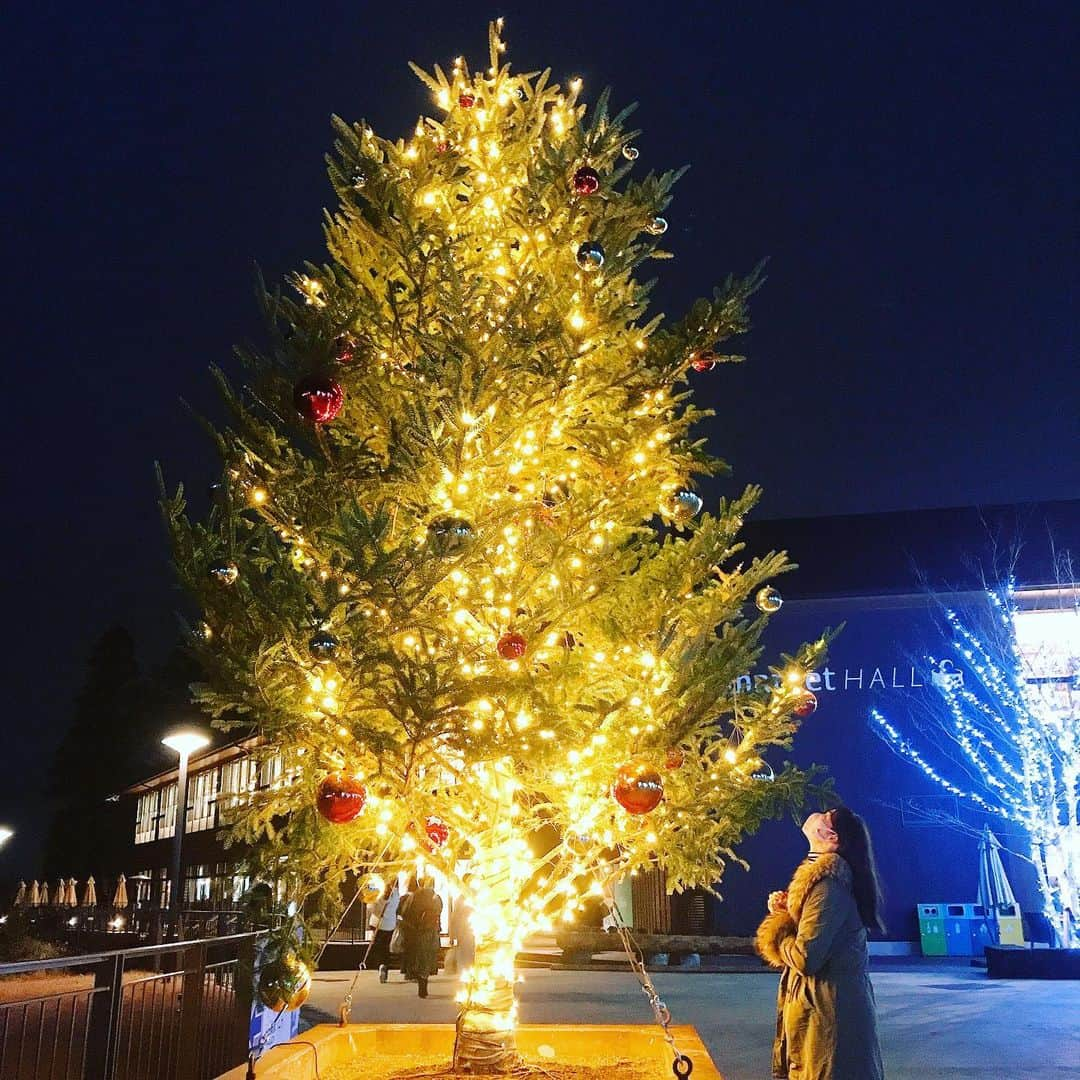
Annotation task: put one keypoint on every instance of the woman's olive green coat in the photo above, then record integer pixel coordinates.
(826, 1027)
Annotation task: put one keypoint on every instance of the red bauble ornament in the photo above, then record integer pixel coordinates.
(340, 798)
(638, 787)
(675, 757)
(512, 646)
(344, 348)
(466, 101)
(586, 181)
(438, 832)
(805, 703)
(318, 398)
(442, 147)
(704, 360)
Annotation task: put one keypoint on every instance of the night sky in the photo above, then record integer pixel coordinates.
(910, 172)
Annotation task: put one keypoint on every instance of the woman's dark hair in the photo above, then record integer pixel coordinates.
(856, 849)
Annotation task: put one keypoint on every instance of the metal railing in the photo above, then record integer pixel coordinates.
(189, 1021)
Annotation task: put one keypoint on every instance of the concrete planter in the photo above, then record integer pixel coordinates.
(566, 1044)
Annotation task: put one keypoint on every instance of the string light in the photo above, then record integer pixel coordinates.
(1018, 733)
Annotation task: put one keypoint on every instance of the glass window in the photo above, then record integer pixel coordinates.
(270, 771)
(202, 800)
(239, 779)
(167, 812)
(146, 817)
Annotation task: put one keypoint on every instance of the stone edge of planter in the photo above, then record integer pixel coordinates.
(337, 1045)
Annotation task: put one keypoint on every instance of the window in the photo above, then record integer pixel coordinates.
(270, 771)
(239, 779)
(146, 817)
(167, 812)
(202, 800)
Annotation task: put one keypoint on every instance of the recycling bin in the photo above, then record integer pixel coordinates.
(968, 929)
(1010, 926)
(932, 929)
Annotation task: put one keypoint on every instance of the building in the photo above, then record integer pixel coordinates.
(869, 572)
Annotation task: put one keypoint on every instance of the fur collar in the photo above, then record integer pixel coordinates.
(808, 874)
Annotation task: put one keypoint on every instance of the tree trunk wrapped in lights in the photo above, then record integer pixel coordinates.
(455, 571)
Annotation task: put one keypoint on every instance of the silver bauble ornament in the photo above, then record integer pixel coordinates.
(590, 256)
(201, 633)
(323, 645)
(682, 505)
(225, 573)
(768, 600)
(630, 152)
(450, 535)
(656, 226)
(763, 773)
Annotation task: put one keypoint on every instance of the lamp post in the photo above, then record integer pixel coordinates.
(185, 742)
(5, 834)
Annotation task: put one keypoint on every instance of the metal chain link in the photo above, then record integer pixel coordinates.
(682, 1066)
(345, 1008)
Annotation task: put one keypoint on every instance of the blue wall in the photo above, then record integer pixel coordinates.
(883, 640)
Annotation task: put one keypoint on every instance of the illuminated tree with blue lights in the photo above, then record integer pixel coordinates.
(1006, 723)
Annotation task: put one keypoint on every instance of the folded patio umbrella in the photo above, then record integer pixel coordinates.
(43, 896)
(60, 896)
(70, 896)
(994, 888)
(20, 896)
(120, 898)
(90, 893)
(35, 893)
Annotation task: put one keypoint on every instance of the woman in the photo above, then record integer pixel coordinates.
(383, 921)
(421, 918)
(815, 933)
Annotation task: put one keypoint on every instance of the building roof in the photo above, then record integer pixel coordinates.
(898, 552)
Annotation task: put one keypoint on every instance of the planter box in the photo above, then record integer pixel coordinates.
(1016, 962)
(572, 1044)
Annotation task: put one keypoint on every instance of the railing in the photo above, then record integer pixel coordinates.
(81, 928)
(189, 1021)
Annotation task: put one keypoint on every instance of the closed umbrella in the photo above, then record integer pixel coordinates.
(90, 893)
(120, 898)
(71, 897)
(994, 888)
(43, 896)
(60, 896)
(35, 893)
(20, 896)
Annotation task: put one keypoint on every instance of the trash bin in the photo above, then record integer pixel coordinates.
(968, 929)
(932, 929)
(1010, 926)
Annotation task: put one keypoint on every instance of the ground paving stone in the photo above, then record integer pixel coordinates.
(937, 1021)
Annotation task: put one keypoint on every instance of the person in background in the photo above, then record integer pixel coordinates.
(421, 916)
(460, 931)
(815, 933)
(383, 921)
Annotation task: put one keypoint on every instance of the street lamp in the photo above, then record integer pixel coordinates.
(185, 741)
(5, 834)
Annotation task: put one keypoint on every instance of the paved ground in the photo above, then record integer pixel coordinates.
(943, 1022)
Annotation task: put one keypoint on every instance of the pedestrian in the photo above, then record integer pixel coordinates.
(815, 933)
(404, 932)
(459, 930)
(383, 922)
(421, 917)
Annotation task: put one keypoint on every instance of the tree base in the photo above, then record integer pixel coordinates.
(485, 1053)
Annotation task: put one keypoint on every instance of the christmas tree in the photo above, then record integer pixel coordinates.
(456, 572)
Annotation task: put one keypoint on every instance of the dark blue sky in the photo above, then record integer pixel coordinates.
(909, 169)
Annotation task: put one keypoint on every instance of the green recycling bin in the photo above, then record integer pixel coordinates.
(932, 929)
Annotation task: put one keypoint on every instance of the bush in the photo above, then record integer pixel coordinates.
(17, 943)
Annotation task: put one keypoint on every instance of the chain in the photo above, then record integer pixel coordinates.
(345, 1008)
(681, 1066)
